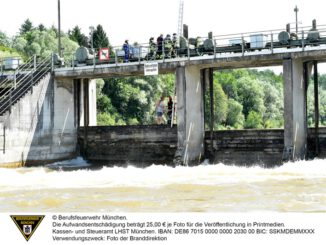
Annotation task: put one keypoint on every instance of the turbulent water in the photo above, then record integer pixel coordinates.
(293, 187)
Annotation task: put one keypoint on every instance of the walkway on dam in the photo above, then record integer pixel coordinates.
(217, 61)
(255, 49)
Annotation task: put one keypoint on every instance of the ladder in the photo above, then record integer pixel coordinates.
(180, 18)
(174, 104)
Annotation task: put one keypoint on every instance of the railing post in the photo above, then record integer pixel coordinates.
(116, 57)
(94, 58)
(32, 81)
(10, 100)
(52, 62)
(34, 62)
(242, 45)
(139, 49)
(188, 51)
(15, 80)
(163, 50)
(214, 48)
(302, 40)
(272, 44)
(73, 61)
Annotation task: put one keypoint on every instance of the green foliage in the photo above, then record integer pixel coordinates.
(41, 27)
(249, 91)
(100, 39)
(220, 106)
(77, 36)
(250, 95)
(254, 120)
(229, 83)
(4, 40)
(235, 118)
(132, 100)
(322, 107)
(27, 26)
(43, 43)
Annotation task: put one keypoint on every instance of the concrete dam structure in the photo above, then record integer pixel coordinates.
(54, 118)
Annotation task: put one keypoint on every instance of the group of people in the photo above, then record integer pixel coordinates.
(168, 45)
(160, 110)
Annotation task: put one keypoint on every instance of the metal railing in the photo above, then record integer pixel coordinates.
(239, 44)
(23, 79)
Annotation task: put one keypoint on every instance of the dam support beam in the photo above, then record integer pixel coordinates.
(316, 102)
(190, 109)
(295, 119)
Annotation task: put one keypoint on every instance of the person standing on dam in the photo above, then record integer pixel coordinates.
(126, 49)
(159, 42)
(160, 106)
(170, 110)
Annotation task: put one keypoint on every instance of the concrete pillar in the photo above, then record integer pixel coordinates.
(181, 105)
(295, 120)
(87, 102)
(92, 102)
(190, 111)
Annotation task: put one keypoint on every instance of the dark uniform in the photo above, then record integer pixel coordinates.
(159, 46)
(152, 49)
(126, 49)
(168, 46)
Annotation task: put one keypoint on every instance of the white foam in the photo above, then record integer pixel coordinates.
(154, 176)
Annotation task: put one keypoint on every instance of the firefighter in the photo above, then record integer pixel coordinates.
(198, 46)
(175, 45)
(152, 49)
(168, 46)
(159, 41)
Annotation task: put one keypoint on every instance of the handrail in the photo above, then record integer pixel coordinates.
(22, 85)
(25, 74)
(20, 68)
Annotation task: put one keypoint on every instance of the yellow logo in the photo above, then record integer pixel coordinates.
(27, 224)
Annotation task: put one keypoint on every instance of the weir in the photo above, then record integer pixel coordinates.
(43, 123)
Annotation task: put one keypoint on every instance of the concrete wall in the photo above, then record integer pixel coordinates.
(136, 145)
(245, 147)
(155, 144)
(250, 147)
(42, 126)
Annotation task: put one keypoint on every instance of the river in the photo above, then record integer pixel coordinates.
(292, 187)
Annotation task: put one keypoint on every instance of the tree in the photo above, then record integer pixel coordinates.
(254, 120)
(229, 83)
(43, 43)
(100, 39)
(76, 35)
(19, 44)
(41, 27)
(234, 118)
(134, 98)
(220, 105)
(26, 27)
(273, 102)
(4, 40)
(251, 95)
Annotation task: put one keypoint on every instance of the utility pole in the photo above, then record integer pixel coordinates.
(91, 28)
(296, 10)
(59, 31)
